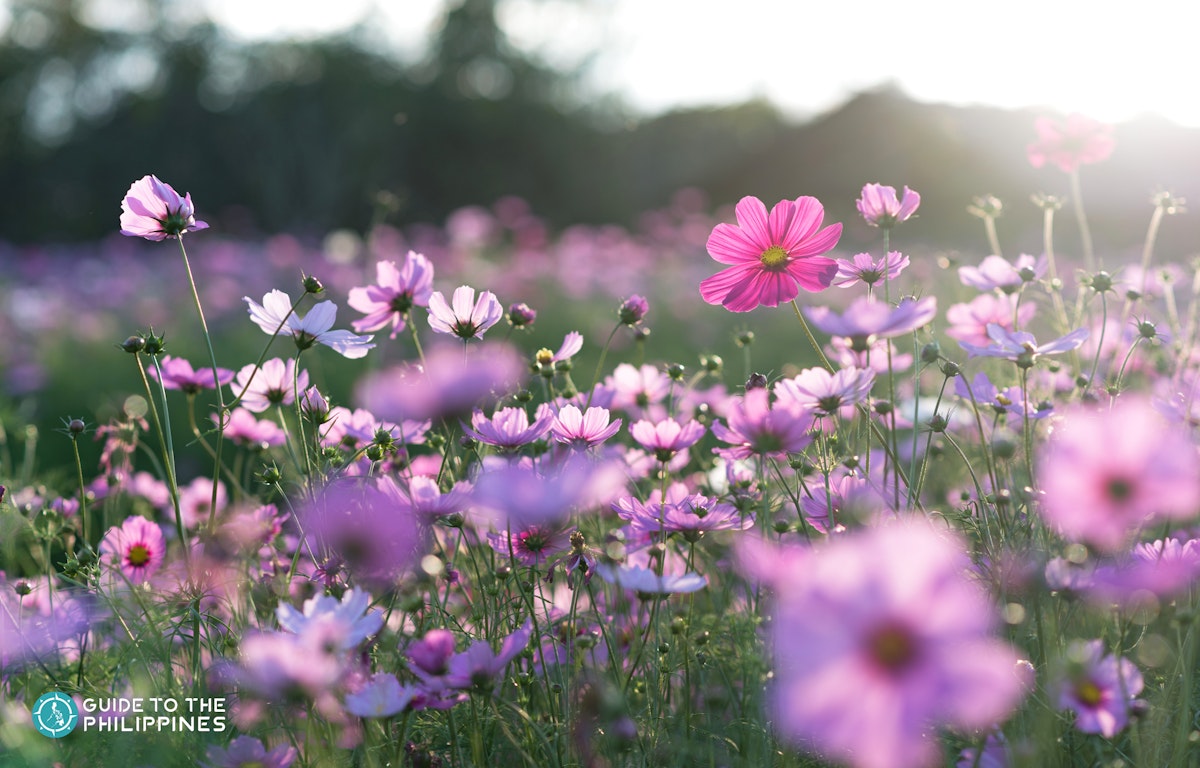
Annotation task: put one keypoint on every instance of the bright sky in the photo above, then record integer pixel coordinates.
(1068, 55)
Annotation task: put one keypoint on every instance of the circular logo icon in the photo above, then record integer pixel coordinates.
(55, 714)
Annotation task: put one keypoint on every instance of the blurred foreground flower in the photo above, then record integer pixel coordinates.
(153, 210)
(1073, 142)
(771, 257)
(879, 638)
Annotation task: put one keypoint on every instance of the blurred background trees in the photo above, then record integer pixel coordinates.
(305, 135)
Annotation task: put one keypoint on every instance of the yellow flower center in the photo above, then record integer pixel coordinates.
(1089, 693)
(773, 257)
(138, 555)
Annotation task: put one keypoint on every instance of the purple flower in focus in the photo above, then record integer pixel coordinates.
(1022, 348)
(137, 548)
(997, 273)
(818, 390)
(382, 696)
(882, 633)
(863, 268)
(153, 210)
(395, 293)
(465, 316)
(880, 207)
(667, 437)
(177, 373)
(755, 428)
(583, 430)
(866, 320)
(272, 384)
(249, 752)
(1099, 688)
(509, 428)
(275, 314)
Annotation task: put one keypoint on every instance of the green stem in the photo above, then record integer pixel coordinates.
(1085, 235)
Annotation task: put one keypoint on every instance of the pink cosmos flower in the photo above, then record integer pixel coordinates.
(755, 428)
(1106, 475)
(1022, 348)
(880, 208)
(969, 322)
(243, 429)
(583, 430)
(531, 545)
(998, 273)
(509, 427)
(195, 501)
(689, 514)
(395, 293)
(466, 316)
(153, 210)
(479, 668)
(770, 256)
(1099, 688)
(634, 389)
(879, 638)
(177, 373)
(247, 751)
(866, 320)
(1071, 143)
(274, 384)
(824, 393)
(428, 501)
(275, 314)
(667, 437)
(137, 548)
(864, 268)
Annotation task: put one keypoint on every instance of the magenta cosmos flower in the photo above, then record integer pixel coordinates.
(880, 207)
(153, 210)
(395, 293)
(1104, 475)
(880, 638)
(465, 316)
(770, 256)
(137, 548)
(1076, 141)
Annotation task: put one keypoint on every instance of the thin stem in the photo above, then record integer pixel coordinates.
(1085, 235)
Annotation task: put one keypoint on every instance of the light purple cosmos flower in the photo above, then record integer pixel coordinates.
(515, 497)
(465, 316)
(430, 656)
(646, 582)
(153, 210)
(755, 428)
(880, 207)
(352, 614)
(246, 751)
(866, 320)
(177, 373)
(275, 314)
(667, 437)
(997, 273)
(874, 355)
(851, 499)
(428, 501)
(1162, 568)
(1011, 400)
(969, 322)
(572, 343)
(583, 430)
(635, 389)
(881, 632)
(1099, 688)
(1021, 347)
(273, 384)
(689, 514)
(996, 754)
(480, 668)
(531, 545)
(509, 427)
(818, 390)
(1106, 475)
(864, 268)
(382, 696)
(395, 293)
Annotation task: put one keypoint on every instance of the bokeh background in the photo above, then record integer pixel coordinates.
(565, 153)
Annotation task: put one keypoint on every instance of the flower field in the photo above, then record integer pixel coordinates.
(489, 494)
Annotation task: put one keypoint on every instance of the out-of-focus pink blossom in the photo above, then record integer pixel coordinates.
(1070, 143)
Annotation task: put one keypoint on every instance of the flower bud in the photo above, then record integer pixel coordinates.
(133, 344)
(633, 310)
(931, 352)
(711, 363)
(745, 338)
(676, 371)
(312, 285)
(521, 315)
(756, 381)
(154, 344)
